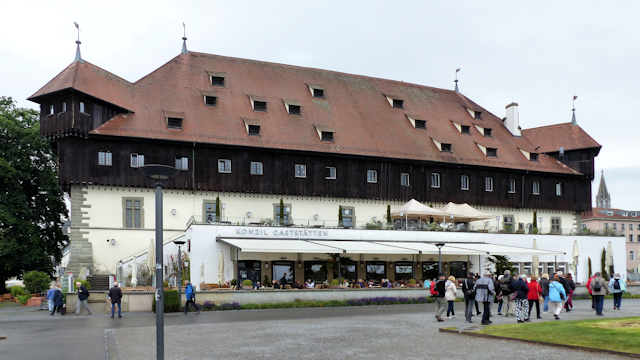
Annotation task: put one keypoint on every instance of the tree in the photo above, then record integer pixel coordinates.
(500, 263)
(603, 265)
(535, 222)
(340, 215)
(218, 207)
(589, 263)
(31, 202)
(281, 214)
(388, 214)
(36, 282)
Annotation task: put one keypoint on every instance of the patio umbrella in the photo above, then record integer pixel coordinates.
(413, 209)
(575, 254)
(535, 263)
(221, 268)
(202, 273)
(134, 273)
(465, 213)
(609, 258)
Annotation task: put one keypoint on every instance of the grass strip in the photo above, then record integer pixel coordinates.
(620, 334)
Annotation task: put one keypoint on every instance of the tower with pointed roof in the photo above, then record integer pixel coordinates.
(603, 199)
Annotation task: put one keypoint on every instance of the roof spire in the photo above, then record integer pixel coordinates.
(574, 122)
(78, 57)
(184, 40)
(456, 81)
(603, 199)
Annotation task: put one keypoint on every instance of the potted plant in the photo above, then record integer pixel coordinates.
(412, 283)
(247, 285)
(335, 284)
(165, 285)
(24, 299)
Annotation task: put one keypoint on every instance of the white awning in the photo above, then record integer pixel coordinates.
(277, 246)
(461, 248)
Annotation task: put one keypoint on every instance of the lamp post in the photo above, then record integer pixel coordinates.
(159, 173)
(540, 219)
(179, 243)
(439, 258)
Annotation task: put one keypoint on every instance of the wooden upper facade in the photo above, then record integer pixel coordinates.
(212, 113)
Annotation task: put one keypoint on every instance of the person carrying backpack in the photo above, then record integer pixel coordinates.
(507, 299)
(618, 287)
(438, 291)
(469, 296)
(599, 288)
(190, 294)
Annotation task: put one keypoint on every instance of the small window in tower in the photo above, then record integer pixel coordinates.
(210, 101)
(260, 106)
(182, 163)
(398, 104)
(446, 148)
(254, 130)
(327, 136)
(318, 93)
(63, 106)
(330, 173)
(421, 124)
(492, 152)
(466, 130)
(83, 107)
(217, 81)
(105, 158)
(174, 123)
(224, 166)
(52, 109)
(294, 110)
(487, 132)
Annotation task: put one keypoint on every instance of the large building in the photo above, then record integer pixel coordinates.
(335, 149)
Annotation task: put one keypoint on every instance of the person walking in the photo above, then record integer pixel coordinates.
(115, 295)
(571, 286)
(485, 292)
(469, 296)
(544, 291)
(477, 277)
(556, 297)
(520, 288)
(450, 295)
(83, 296)
(52, 290)
(190, 295)
(593, 303)
(507, 299)
(533, 296)
(599, 288)
(497, 298)
(439, 296)
(58, 300)
(618, 287)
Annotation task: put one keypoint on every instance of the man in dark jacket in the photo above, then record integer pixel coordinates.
(441, 303)
(469, 296)
(83, 295)
(520, 288)
(485, 292)
(544, 285)
(283, 280)
(510, 305)
(115, 295)
(58, 300)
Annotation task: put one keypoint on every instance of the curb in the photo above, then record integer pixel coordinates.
(564, 346)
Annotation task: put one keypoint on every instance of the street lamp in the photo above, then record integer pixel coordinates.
(439, 258)
(179, 243)
(160, 174)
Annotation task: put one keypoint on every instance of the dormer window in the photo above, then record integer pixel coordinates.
(477, 115)
(326, 133)
(634, 214)
(174, 123)
(327, 136)
(217, 78)
(491, 152)
(487, 132)
(465, 130)
(445, 148)
(252, 126)
(624, 213)
(533, 157)
(421, 124)
(211, 101)
(317, 91)
(82, 107)
(610, 213)
(260, 106)
(293, 107)
(398, 104)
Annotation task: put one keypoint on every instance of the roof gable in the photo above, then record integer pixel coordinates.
(551, 138)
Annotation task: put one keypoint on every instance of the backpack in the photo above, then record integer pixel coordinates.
(470, 293)
(597, 286)
(504, 285)
(432, 289)
(616, 285)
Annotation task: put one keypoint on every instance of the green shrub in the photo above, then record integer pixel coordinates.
(24, 298)
(334, 282)
(165, 283)
(8, 289)
(247, 282)
(36, 282)
(233, 282)
(171, 302)
(412, 281)
(85, 283)
(17, 290)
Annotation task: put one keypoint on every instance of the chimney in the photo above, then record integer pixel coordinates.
(512, 121)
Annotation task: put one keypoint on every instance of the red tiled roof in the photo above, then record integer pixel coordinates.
(602, 213)
(551, 138)
(355, 107)
(91, 80)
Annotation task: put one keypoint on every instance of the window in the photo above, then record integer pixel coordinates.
(330, 173)
(210, 211)
(327, 136)
(63, 106)
(631, 227)
(621, 226)
(404, 270)
(211, 101)
(533, 157)
(477, 115)
(562, 267)
(301, 171)
(488, 184)
(508, 223)
(492, 152)
(615, 226)
(445, 148)
(133, 212)
(464, 182)
(376, 270)
(83, 107)
(606, 225)
(559, 189)
(466, 130)
(224, 166)
(256, 168)
(630, 237)
(174, 123)
(512, 186)
(137, 160)
(294, 109)
(536, 188)
(421, 124)
(372, 176)
(182, 163)
(624, 213)
(348, 218)
(487, 132)
(556, 225)
(254, 130)
(260, 106)
(551, 268)
(217, 81)
(435, 180)
(634, 214)
(286, 214)
(398, 104)
(632, 255)
(318, 93)
(404, 179)
(105, 158)
(527, 268)
(52, 109)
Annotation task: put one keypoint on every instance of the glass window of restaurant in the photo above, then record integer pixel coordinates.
(551, 269)
(516, 269)
(348, 269)
(429, 270)
(404, 270)
(540, 269)
(376, 270)
(249, 269)
(315, 270)
(281, 267)
(458, 269)
(562, 267)
(527, 268)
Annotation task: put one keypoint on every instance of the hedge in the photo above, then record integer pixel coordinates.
(171, 302)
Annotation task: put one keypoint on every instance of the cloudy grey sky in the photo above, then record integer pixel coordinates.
(538, 54)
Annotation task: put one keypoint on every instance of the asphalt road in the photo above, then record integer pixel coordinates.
(376, 332)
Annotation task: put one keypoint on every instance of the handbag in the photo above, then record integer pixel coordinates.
(470, 293)
(562, 296)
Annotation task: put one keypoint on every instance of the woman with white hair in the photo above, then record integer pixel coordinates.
(520, 288)
(52, 290)
(618, 287)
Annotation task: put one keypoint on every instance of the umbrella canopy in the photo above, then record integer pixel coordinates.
(465, 213)
(575, 254)
(609, 257)
(151, 257)
(134, 273)
(415, 210)
(220, 268)
(201, 273)
(535, 264)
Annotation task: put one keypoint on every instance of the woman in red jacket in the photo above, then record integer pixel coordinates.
(534, 295)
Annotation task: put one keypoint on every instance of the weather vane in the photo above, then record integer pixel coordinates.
(77, 27)
(457, 70)
(184, 27)
(456, 81)
(574, 102)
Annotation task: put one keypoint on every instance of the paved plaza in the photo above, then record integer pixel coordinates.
(375, 332)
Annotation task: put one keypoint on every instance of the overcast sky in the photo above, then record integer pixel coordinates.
(538, 54)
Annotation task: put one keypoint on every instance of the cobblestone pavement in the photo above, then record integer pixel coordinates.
(376, 332)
